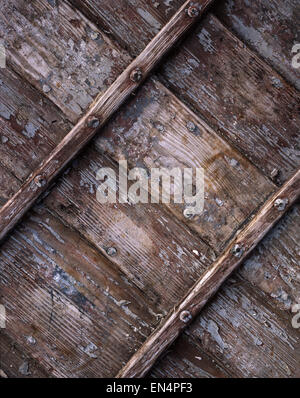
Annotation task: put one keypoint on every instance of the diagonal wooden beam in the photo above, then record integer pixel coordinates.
(241, 245)
(99, 112)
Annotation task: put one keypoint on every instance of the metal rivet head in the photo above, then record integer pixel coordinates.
(136, 75)
(237, 250)
(93, 122)
(40, 181)
(111, 251)
(188, 213)
(193, 11)
(185, 316)
(280, 204)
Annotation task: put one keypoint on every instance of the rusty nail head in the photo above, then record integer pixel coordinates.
(93, 122)
(185, 316)
(237, 250)
(40, 181)
(193, 11)
(111, 251)
(280, 203)
(136, 75)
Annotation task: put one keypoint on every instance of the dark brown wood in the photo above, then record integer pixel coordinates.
(98, 113)
(270, 28)
(246, 330)
(211, 280)
(239, 96)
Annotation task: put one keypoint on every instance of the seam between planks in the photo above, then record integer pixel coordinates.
(98, 113)
(208, 284)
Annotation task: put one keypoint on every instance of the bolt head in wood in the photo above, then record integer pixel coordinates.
(193, 11)
(238, 250)
(40, 180)
(93, 122)
(111, 251)
(136, 75)
(280, 204)
(185, 316)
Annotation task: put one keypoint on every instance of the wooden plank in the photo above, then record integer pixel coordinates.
(151, 246)
(239, 95)
(70, 309)
(242, 333)
(98, 113)
(270, 28)
(14, 363)
(155, 129)
(132, 23)
(211, 280)
(30, 128)
(247, 328)
(256, 304)
(60, 52)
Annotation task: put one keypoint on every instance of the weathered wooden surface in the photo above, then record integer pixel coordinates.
(238, 95)
(99, 112)
(208, 284)
(133, 23)
(270, 28)
(16, 362)
(30, 127)
(62, 297)
(60, 52)
(154, 129)
(152, 247)
(247, 328)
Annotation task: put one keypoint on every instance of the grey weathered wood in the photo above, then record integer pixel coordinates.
(211, 280)
(239, 95)
(270, 28)
(102, 108)
(155, 129)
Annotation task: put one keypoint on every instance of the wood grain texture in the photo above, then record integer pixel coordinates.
(30, 127)
(133, 23)
(71, 310)
(270, 28)
(239, 96)
(152, 247)
(15, 362)
(60, 52)
(155, 129)
(102, 108)
(247, 328)
(211, 280)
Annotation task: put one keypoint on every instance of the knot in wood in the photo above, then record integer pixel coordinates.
(40, 180)
(136, 75)
(238, 250)
(280, 204)
(93, 122)
(193, 11)
(185, 316)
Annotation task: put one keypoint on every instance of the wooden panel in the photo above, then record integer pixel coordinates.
(271, 28)
(156, 130)
(70, 309)
(14, 363)
(60, 52)
(30, 127)
(152, 248)
(231, 88)
(9, 184)
(247, 328)
(133, 23)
